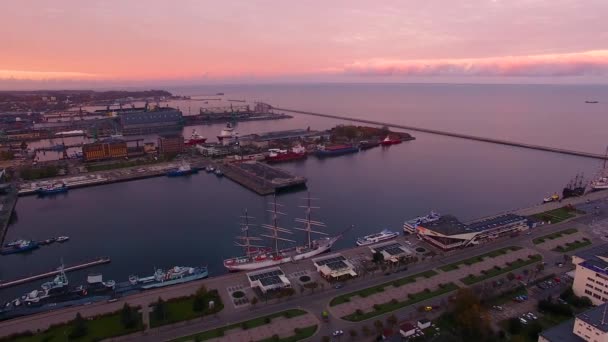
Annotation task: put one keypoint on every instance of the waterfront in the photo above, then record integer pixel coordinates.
(162, 222)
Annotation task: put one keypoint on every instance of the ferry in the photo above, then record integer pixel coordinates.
(410, 226)
(195, 139)
(183, 170)
(391, 141)
(335, 150)
(599, 184)
(375, 238)
(52, 189)
(175, 275)
(278, 156)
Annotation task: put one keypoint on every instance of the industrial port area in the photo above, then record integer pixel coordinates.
(538, 271)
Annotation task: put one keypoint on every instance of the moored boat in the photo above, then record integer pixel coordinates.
(52, 189)
(552, 198)
(335, 150)
(182, 170)
(411, 226)
(391, 140)
(367, 144)
(378, 237)
(62, 238)
(174, 275)
(227, 133)
(195, 139)
(19, 246)
(278, 156)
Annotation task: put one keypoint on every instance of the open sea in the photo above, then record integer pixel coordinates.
(162, 222)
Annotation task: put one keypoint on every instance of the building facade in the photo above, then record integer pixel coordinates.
(140, 121)
(109, 149)
(170, 144)
(590, 326)
(591, 274)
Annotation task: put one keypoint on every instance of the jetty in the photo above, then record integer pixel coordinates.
(453, 134)
(260, 177)
(95, 262)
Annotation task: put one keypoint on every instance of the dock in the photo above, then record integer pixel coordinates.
(454, 135)
(261, 178)
(15, 282)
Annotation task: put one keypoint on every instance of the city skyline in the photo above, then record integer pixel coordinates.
(523, 41)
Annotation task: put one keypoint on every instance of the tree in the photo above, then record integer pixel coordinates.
(378, 257)
(471, 318)
(79, 327)
(515, 326)
(160, 310)
(566, 258)
(534, 329)
(391, 320)
(326, 339)
(378, 325)
(128, 317)
(366, 330)
(353, 334)
(510, 276)
(254, 301)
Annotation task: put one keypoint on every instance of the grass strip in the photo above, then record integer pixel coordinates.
(301, 334)
(252, 323)
(478, 258)
(554, 235)
(345, 298)
(380, 309)
(496, 270)
(570, 246)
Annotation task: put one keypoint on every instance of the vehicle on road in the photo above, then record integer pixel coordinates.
(428, 308)
(338, 286)
(338, 333)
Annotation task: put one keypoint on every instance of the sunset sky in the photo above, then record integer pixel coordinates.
(263, 40)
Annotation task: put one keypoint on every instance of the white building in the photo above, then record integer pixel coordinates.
(591, 274)
(334, 267)
(268, 279)
(392, 251)
(591, 326)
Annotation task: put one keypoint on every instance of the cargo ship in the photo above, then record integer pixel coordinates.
(19, 246)
(195, 139)
(175, 275)
(52, 189)
(279, 156)
(375, 238)
(183, 170)
(411, 226)
(335, 150)
(261, 256)
(389, 140)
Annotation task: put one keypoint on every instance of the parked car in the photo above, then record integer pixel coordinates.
(338, 333)
(523, 321)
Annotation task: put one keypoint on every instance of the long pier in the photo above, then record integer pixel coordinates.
(95, 262)
(454, 135)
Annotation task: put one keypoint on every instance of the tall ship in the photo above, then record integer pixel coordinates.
(411, 226)
(575, 188)
(257, 256)
(378, 237)
(195, 139)
(335, 150)
(279, 156)
(172, 276)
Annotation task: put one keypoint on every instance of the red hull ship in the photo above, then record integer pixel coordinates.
(390, 141)
(195, 139)
(278, 156)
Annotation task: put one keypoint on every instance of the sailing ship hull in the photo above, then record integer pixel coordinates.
(248, 265)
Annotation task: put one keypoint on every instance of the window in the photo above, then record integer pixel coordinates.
(591, 279)
(589, 286)
(587, 292)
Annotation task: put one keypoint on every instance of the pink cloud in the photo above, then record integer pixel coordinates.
(589, 63)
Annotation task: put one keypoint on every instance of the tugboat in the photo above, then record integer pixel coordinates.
(19, 246)
(278, 156)
(195, 139)
(52, 189)
(182, 170)
(575, 188)
(552, 198)
(391, 141)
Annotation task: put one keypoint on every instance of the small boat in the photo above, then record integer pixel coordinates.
(209, 169)
(218, 172)
(591, 102)
(195, 139)
(52, 189)
(62, 238)
(375, 238)
(552, 198)
(389, 140)
(182, 170)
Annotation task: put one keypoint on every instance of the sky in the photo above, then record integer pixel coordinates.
(198, 41)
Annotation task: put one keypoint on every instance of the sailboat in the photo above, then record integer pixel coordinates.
(260, 257)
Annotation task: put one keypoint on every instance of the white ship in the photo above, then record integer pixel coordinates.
(410, 226)
(375, 238)
(260, 256)
(227, 133)
(601, 181)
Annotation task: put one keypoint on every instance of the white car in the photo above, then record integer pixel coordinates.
(522, 320)
(338, 333)
(531, 315)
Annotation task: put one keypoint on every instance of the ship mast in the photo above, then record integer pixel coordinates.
(309, 222)
(274, 228)
(245, 240)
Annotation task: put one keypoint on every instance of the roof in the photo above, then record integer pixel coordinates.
(423, 321)
(407, 326)
(595, 317)
(261, 275)
(450, 225)
(596, 265)
(563, 332)
(392, 249)
(593, 253)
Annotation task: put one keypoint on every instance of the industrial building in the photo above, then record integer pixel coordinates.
(334, 267)
(392, 251)
(270, 279)
(142, 121)
(591, 274)
(106, 149)
(591, 326)
(448, 233)
(170, 144)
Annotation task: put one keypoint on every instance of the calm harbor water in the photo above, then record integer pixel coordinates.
(162, 222)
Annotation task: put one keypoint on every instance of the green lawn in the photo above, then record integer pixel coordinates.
(302, 334)
(380, 288)
(394, 305)
(554, 235)
(556, 215)
(570, 246)
(102, 327)
(181, 309)
(478, 258)
(493, 272)
(252, 323)
(125, 164)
